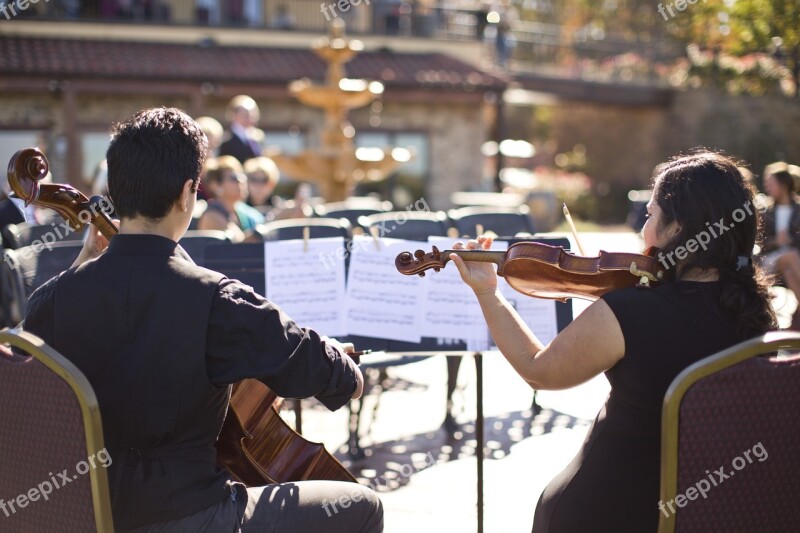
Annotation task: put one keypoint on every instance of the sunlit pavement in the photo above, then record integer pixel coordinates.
(522, 452)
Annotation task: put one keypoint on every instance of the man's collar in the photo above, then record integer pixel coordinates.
(239, 131)
(142, 244)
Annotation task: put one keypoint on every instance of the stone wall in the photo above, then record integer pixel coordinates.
(625, 143)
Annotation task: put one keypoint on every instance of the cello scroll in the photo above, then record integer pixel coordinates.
(28, 167)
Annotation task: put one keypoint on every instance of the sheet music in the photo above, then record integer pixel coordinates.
(539, 314)
(381, 302)
(451, 309)
(308, 285)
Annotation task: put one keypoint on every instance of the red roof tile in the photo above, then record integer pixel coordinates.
(83, 58)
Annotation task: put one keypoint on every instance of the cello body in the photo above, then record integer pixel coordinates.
(258, 447)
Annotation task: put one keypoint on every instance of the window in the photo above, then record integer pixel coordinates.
(407, 184)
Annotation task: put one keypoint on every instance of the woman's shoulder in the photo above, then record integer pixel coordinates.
(666, 293)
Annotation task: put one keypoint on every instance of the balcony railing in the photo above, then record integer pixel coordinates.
(387, 17)
(533, 47)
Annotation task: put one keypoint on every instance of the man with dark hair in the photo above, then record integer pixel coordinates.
(161, 340)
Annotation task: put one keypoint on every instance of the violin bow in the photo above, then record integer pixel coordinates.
(574, 229)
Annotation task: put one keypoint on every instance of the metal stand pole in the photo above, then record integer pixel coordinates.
(479, 437)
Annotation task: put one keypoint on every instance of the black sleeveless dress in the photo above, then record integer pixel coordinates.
(613, 483)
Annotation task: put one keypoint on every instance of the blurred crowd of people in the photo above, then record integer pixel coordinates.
(237, 184)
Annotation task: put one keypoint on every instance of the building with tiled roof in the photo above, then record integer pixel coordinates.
(62, 90)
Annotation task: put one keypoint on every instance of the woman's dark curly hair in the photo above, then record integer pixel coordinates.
(709, 198)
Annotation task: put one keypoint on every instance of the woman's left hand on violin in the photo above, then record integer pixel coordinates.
(481, 277)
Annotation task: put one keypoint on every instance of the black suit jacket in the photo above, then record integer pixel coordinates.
(236, 147)
(160, 339)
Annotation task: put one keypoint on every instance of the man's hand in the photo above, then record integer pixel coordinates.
(94, 245)
(348, 348)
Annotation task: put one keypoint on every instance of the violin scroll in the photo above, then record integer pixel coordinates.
(419, 262)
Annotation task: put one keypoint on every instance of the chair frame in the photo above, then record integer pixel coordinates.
(90, 410)
(770, 342)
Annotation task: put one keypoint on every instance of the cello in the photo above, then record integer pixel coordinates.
(255, 444)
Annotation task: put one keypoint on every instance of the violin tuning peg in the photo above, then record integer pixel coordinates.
(437, 269)
(436, 254)
(420, 255)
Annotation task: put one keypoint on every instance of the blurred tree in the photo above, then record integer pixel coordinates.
(750, 46)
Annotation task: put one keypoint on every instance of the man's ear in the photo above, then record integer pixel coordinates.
(189, 190)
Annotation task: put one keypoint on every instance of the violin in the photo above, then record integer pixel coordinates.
(545, 271)
(255, 444)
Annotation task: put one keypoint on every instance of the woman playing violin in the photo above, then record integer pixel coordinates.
(641, 338)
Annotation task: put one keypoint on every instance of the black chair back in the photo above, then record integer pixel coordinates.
(412, 225)
(26, 269)
(195, 242)
(26, 233)
(504, 221)
(353, 208)
(293, 228)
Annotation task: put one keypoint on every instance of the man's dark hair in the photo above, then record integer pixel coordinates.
(150, 157)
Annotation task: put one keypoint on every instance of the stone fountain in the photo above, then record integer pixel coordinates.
(336, 166)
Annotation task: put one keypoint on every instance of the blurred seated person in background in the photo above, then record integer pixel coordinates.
(226, 185)
(244, 139)
(262, 177)
(10, 210)
(214, 133)
(780, 255)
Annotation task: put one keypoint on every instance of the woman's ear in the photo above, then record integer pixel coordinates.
(673, 229)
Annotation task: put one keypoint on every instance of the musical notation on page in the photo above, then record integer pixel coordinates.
(379, 302)
(307, 280)
(451, 309)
